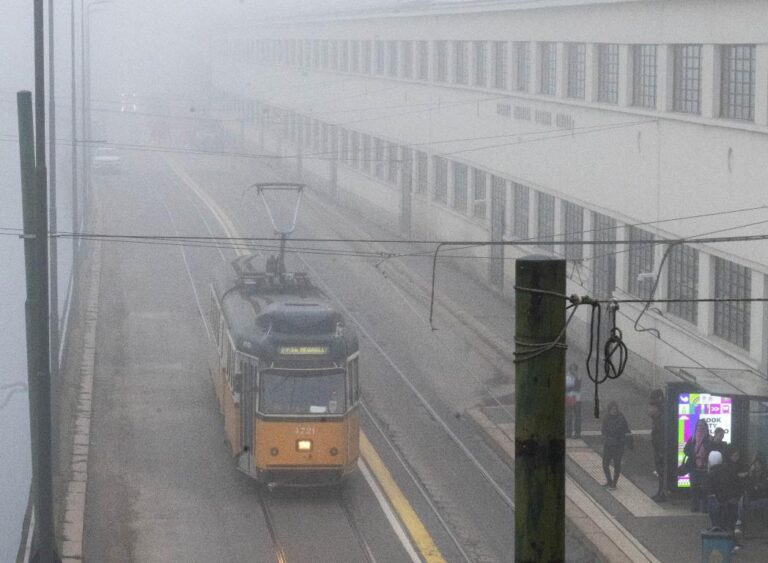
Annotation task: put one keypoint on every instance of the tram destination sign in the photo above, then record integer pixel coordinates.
(302, 350)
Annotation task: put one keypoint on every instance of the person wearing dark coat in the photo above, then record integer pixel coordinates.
(724, 486)
(616, 435)
(697, 450)
(656, 412)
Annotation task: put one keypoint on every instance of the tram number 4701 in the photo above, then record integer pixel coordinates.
(305, 430)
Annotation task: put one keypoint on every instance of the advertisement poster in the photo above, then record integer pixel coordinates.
(692, 407)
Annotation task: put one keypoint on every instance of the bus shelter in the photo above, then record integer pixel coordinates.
(734, 400)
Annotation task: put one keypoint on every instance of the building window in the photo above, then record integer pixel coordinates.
(392, 55)
(406, 66)
(500, 64)
(460, 187)
(333, 46)
(644, 76)
(441, 61)
(422, 170)
(460, 62)
(441, 179)
(573, 228)
(325, 54)
(604, 259)
(737, 87)
(523, 55)
(480, 194)
(422, 69)
(367, 156)
(687, 79)
(640, 260)
(344, 145)
(316, 53)
(367, 57)
(394, 163)
(354, 57)
(548, 68)
(732, 318)
(354, 142)
(683, 282)
(577, 65)
(520, 199)
(479, 58)
(307, 57)
(545, 216)
(378, 54)
(608, 73)
(344, 56)
(378, 158)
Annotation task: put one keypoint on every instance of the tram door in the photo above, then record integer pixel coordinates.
(498, 204)
(248, 397)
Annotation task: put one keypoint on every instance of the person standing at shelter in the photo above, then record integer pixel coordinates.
(616, 435)
(573, 402)
(656, 412)
(697, 449)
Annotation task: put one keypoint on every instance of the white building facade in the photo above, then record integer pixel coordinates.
(589, 120)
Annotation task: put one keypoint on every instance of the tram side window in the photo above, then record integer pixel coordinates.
(353, 381)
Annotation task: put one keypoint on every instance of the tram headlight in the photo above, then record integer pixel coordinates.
(304, 445)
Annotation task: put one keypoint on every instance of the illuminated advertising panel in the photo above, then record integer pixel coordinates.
(716, 410)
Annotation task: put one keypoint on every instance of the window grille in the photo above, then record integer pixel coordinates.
(523, 53)
(378, 48)
(393, 60)
(520, 199)
(543, 117)
(545, 216)
(480, 78)
(604, 259)
(354, 142)
(316, 53)
(500, 64)
(422, 170)
(683, 282)
(732, 318)
(344, 56)
(406, 168)
(640, 258)
(522, 112)
(423, 60)
(644, 76)
(367, 155)
(378, 158)
(687, 79)
(393, 163)
(406, 68)
(737, 91)
(577, 68)
(441, 179)
(354, 57)
(333, 47)
(460, 62)
(573, 230)
(608, 73)
(325, 54)
(460, 187)
(480, 193)
(548, 68)
(441, 61)
(504, 109)
(367, 55)
(324, 139)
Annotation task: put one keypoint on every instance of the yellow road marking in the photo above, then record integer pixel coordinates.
(405, 512)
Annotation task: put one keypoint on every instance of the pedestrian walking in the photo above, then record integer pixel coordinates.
(616, 435)
(573, 402)
(697, 450)
(656, 412)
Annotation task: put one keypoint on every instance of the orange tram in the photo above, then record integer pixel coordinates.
(287, 382)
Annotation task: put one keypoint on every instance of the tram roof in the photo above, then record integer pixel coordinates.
(270, 317)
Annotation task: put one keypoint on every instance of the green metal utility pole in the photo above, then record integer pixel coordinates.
(539, 411)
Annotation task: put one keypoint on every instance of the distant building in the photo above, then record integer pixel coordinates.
(569, 120)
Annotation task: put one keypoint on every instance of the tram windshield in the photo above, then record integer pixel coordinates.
(302, 392)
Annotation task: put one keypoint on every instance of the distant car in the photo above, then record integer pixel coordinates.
(107, 160)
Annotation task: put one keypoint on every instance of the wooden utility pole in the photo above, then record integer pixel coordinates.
(539, 411)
